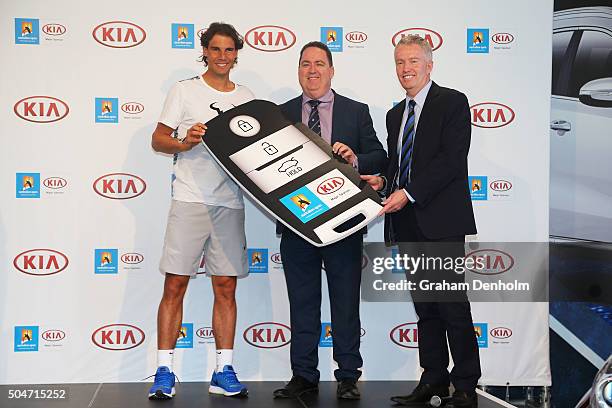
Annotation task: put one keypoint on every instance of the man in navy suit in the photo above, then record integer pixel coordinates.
(428, 201)
(345, 124)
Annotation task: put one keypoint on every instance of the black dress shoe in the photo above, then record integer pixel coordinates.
(421, 395)
(463, 399)
(347, 389)
(296, 387)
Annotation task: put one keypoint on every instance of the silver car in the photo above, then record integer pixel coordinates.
(581, 125)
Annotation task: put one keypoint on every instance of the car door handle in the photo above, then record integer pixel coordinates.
(561, 125)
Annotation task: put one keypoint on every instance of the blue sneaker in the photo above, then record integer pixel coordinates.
(226, 383)
(163, 385)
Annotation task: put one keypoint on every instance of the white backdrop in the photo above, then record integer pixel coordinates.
(60, 299)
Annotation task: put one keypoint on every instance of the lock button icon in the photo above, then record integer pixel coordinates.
(244, 125)
(268, 148)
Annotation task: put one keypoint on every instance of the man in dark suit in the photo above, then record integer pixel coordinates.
(428, 201)
(347, 126)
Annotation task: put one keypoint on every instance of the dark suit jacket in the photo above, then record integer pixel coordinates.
(439, 177)
(351, 125)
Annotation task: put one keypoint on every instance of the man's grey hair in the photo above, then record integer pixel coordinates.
(411, 39)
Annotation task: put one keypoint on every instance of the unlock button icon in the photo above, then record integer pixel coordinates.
(268, 148)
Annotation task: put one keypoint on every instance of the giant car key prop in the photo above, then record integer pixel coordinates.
(291, 172)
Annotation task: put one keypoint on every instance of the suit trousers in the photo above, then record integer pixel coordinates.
(302, 264)
(441, 320)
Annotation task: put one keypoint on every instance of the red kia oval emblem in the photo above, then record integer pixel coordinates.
(119, 186)
(276, 258)
(270, 38)
(356, 37)
(405, 335)
(53, 335)
(54, 29)
(117, 337)
(491, 115)
(500, 185)
(119, 34)
(132, 258)
(55, 183)
(41, 262)
(267, 335)
(205, 332)
(501, 332)
(41, 109)
(132, 108)
(493, 261)
(433, 38)
(502, 38)
(330, 186)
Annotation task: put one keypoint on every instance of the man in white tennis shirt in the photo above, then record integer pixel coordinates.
(207, 211)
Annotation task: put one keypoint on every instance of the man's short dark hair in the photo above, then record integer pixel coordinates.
(225, 29)
(321, 46)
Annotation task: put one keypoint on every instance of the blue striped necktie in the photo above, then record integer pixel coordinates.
(407, 145)
(314, 122)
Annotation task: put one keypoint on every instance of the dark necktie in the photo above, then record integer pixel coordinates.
(407, 145)
(314, 122)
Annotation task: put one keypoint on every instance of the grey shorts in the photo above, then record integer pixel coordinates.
(194, 229)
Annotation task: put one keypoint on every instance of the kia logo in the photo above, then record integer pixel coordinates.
(132, 258)
(493, 261)
(53, 335)
(276, 258)
(500, 332)
(330, 186)
(502, 38)
(491, 115)
(205, 332)
(55, 183)
(500, 185)
(267, 335)
(119, 186)
(119, 34)
(41, 262)
(433, 38)
(270, 38)
(405, 335)
(132, 108)
(356, 37)
(41, 109)
(54, 29)
(118, 337)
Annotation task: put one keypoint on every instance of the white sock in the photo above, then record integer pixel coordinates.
(165, 358)
(224, 357)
